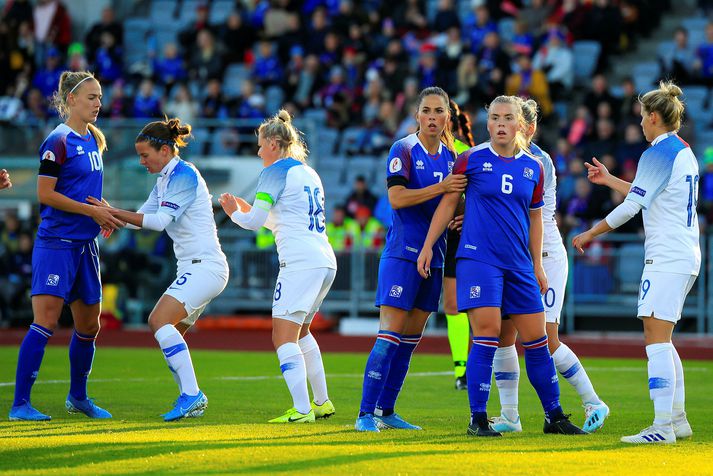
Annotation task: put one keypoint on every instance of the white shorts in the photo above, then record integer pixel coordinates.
(556, 269)
(196, 285)
(662, 294)
(301, 291)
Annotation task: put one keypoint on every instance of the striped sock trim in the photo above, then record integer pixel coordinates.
(41, 330)
(412, 339)
(486, 341)
(85, 337)
(388, 336)
(535, 344)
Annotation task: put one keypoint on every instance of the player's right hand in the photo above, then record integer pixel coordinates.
(598, 172)
(581, 240)
(229, 203)
(5, 179)
(454, 183)
(105, 219)
(423, 263)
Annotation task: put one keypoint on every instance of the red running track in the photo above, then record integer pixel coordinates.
(584, 345)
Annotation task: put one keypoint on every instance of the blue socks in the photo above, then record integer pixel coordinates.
(397, 373)
(29, 359)
(81, 356)
(479, 374)
(377, 369)
(543, 376)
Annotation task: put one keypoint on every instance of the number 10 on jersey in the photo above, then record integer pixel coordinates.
(316, 209)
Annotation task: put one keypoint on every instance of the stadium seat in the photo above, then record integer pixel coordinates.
(646, 75)
(629, 267)
(350, 139)
(135, 32)
(695, 23)
(196, 145)
(163, 13)
(220, 10)
(233, 78)
(695, 94)
(317, 115)
(274, 97)
(665, 48)
(586, 56)
(323, 144)
(188, 12)
(506, 29)
(166, 35)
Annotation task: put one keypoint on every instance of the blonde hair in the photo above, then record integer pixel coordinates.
(69, 82)
(289, 138)
(168, 132)
(521, 141)
(447, 134)
(664, 101)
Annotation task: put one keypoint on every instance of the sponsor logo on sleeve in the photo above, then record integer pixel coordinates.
(638, 191)
(395, 165)
(49, 155)
(170, 205)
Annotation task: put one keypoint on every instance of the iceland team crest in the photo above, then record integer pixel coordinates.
(396, 291)
(528, 173)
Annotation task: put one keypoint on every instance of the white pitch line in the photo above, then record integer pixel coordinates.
(247, 378)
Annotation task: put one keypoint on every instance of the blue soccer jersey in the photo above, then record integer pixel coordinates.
(500, 193)
(411, 165)
(80, 175)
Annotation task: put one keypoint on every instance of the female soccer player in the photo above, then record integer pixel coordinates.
(179, 203)
(458, 327)
(499, 261)
(506, 365)
(65, 258)
(5, 181)
(290, 202)
(666, 188)
(418, 174)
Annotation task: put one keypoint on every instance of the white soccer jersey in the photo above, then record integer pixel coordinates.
(181, 192)
(296, 217)
(666, 185)
(552, 240)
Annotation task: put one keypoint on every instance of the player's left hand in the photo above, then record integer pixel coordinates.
(97, 203)
(541, 279)
(229, 203)
(581, 240)
(5, 179)
(423, 263)
(456, 223)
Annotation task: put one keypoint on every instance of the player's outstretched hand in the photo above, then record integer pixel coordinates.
(454, 183)
(541, 279)
(597, 172)
(229, 203)
(456, 223)
(5, 179)
(93, 201)
(423, 262)
(104, 218)
(581, 240)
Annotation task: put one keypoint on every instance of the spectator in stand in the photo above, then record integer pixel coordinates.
(147, 103)
(182, 104)
(249, 105)
(188, 37)
(427, 66)
(108, 61)
(10, 234)
(170, 69)
(308, 82)
(52, 26)
(206, 62)
(331, 54)
(479, 25)
(343, 232)
(107, 24)
(534, 17)
(17, 12)
(37, 110)
(599, 93)
(16, 269)
(704, 62)
(678, 61)
(566, 183)
(76, 61)
(267, 70)
(47, 78)
(629, 106)
(557, 61)
(522, 43)
(493, 67)
(706, 186)
(238, 38)
(446, 17)
(409, 16)
(361, 196)
(449, 57)
(529, 82)
(577, 216)
(633, 146)
(120, 106)
(605, 141)
(371, 231)
(316, 31)
(466, 80)
(214, 105)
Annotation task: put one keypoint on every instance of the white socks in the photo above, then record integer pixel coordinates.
(315, 368)
(571, 369)
(679, 393)
(292, 365)
(179, 361)
(662, 381)
(506, 368)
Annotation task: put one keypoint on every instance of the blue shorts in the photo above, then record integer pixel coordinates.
(401, 286)
(483, 285)
(69, 272)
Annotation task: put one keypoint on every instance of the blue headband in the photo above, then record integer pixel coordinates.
(169, 143)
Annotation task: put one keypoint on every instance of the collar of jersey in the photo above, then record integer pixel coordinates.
(83, 137)
(168, 168)
(506, 159)
(663, 136)
(432, 156)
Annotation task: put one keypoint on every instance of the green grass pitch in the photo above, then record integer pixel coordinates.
(246, 389)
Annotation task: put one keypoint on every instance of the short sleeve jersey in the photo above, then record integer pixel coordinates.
(552, 240)
(81, 174)
(666, 186)
(181, 192)
(295, 194)
(410, 162)
(500, 193)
